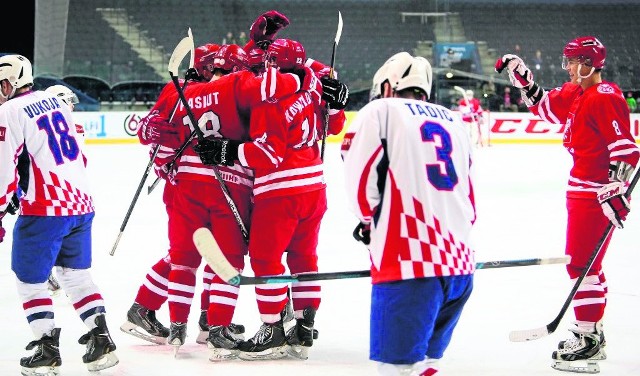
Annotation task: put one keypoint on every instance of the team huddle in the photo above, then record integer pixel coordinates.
(237, 141)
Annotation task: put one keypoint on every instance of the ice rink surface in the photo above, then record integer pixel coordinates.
(521, 214)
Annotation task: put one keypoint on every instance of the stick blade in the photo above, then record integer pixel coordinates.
(211, 253)
(193, 48)
(339, 32)
(529, 334)
(183, 48)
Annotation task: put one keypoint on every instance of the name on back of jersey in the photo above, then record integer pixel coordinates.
(426, 109)
(202, 101)
(40, 107)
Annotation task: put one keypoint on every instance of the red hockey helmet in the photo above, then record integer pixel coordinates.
(286, 54)
(588, 50)
(203, 57)
(231, 58)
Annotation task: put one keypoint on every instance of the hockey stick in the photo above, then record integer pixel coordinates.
(476, 123)
(184, 47)
(208, 248)
(532, 334)
(200, 135)
(333, 60)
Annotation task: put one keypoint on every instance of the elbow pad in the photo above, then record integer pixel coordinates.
(620, 171)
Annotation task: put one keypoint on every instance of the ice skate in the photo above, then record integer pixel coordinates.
(46, 358)
(602, 355)
(579, 354)
(204, 328)
(268, 343)
(142, 323)
(177, 336)
(53, 285)
(223, 343)
(100, 347)
(300, 337)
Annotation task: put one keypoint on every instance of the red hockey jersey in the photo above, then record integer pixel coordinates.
(284, 152)
(222, 109)
(596, 132)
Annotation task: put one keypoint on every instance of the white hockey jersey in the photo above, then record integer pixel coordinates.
(408, 172)
(58, 182)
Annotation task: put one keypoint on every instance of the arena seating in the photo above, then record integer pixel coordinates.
(373, 31)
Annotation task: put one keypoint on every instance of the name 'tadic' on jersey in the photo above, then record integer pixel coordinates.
(58, 182)
(408, 172)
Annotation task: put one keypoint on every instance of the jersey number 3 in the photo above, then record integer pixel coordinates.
(441, 181)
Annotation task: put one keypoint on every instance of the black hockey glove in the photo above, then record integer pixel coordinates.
(217, 151)
(335, 93)
(14, 205)
(192, 75)
(362, 233)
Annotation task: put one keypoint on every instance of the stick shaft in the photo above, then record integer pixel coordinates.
(245, 280)
(216, 173)
(333, 61)
(142, 181)
(532, 334)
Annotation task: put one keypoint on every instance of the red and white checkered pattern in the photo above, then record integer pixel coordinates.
(431, 252)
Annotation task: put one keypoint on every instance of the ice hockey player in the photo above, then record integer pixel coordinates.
(408, 173)
(597, 135)
(54, 228)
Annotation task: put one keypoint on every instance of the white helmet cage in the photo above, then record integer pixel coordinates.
(63, 93)
(403, 71)
(17, 70)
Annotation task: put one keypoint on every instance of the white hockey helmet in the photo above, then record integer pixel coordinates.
(63, 93)
(403, 71)
(469, 93)
(17, 70)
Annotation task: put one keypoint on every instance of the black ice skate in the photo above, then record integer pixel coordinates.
(142, 323)
(602, 355)
(223, 343)
(301, 336)
(177, 335)
(100, 347)
(580, 353)
(46, 358)
(270, 342)
(204, 328)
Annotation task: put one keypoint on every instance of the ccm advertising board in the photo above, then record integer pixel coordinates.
(505, 127)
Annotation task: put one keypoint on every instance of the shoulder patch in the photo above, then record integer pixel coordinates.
(605, 89)
(3, 133)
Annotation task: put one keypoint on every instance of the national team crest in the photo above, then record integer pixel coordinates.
(605, 89)
(3, 133)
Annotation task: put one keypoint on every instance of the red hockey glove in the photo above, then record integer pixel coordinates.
(154, 129)
(3, 232)
(614, 204)
(362, 233)
(265, 27)
(519, 75)
(163, 173)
